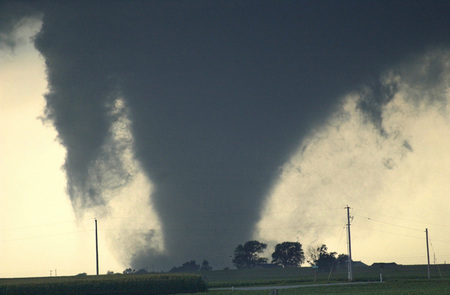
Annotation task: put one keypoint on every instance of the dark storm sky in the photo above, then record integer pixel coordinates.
(220, 94)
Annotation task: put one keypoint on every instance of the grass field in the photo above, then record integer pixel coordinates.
(397, 279)
(395, 287)
(303, 275)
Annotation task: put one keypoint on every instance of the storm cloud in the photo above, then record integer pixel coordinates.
(218, 94)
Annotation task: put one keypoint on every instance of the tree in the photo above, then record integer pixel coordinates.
(190, 266)
(141, 271)
(246, 256)
(129, 271)
(205, 266)
(288, 254)
(342, 260)
(320, 257)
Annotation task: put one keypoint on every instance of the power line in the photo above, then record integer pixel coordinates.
(44, 236)
(376, 220)
(422, 222)
(397, 234)
(397, 225)
(300, 226)
(442, 241)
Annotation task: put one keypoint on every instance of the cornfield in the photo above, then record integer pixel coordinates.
(109, 284)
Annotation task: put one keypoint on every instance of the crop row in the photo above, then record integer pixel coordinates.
(129, 284)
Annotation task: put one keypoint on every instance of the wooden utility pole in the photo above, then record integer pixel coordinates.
(428, 252)
(350, 272)
(96, 245)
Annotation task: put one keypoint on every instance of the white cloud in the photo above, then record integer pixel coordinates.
(398, 178)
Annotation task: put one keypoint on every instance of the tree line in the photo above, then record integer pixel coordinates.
(286, 254)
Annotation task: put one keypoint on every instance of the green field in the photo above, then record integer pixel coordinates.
(106, 284)
(305, 275)
(401, 287)
(397, 279)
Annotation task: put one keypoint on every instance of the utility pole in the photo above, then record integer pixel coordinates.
(428, 253)
(96, 245)
(350, 273)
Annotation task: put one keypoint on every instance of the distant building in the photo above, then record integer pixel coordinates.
(383, 264)
(358, 263)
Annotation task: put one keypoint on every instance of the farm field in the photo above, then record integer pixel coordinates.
(105, 284)
(397, 279)
(396, 287)
(305, 275)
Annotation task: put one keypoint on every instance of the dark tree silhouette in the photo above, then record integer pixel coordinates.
(247, 255)
(205, 266)
(320, 257)
(342, 260)
(129, 271)
(288, 254)
(190, 266)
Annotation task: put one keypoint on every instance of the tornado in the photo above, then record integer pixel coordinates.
(218, 95)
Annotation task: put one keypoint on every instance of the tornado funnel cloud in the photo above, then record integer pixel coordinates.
(218, 95)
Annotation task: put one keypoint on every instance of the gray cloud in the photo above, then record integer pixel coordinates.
(11, 14)
(219, 93)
